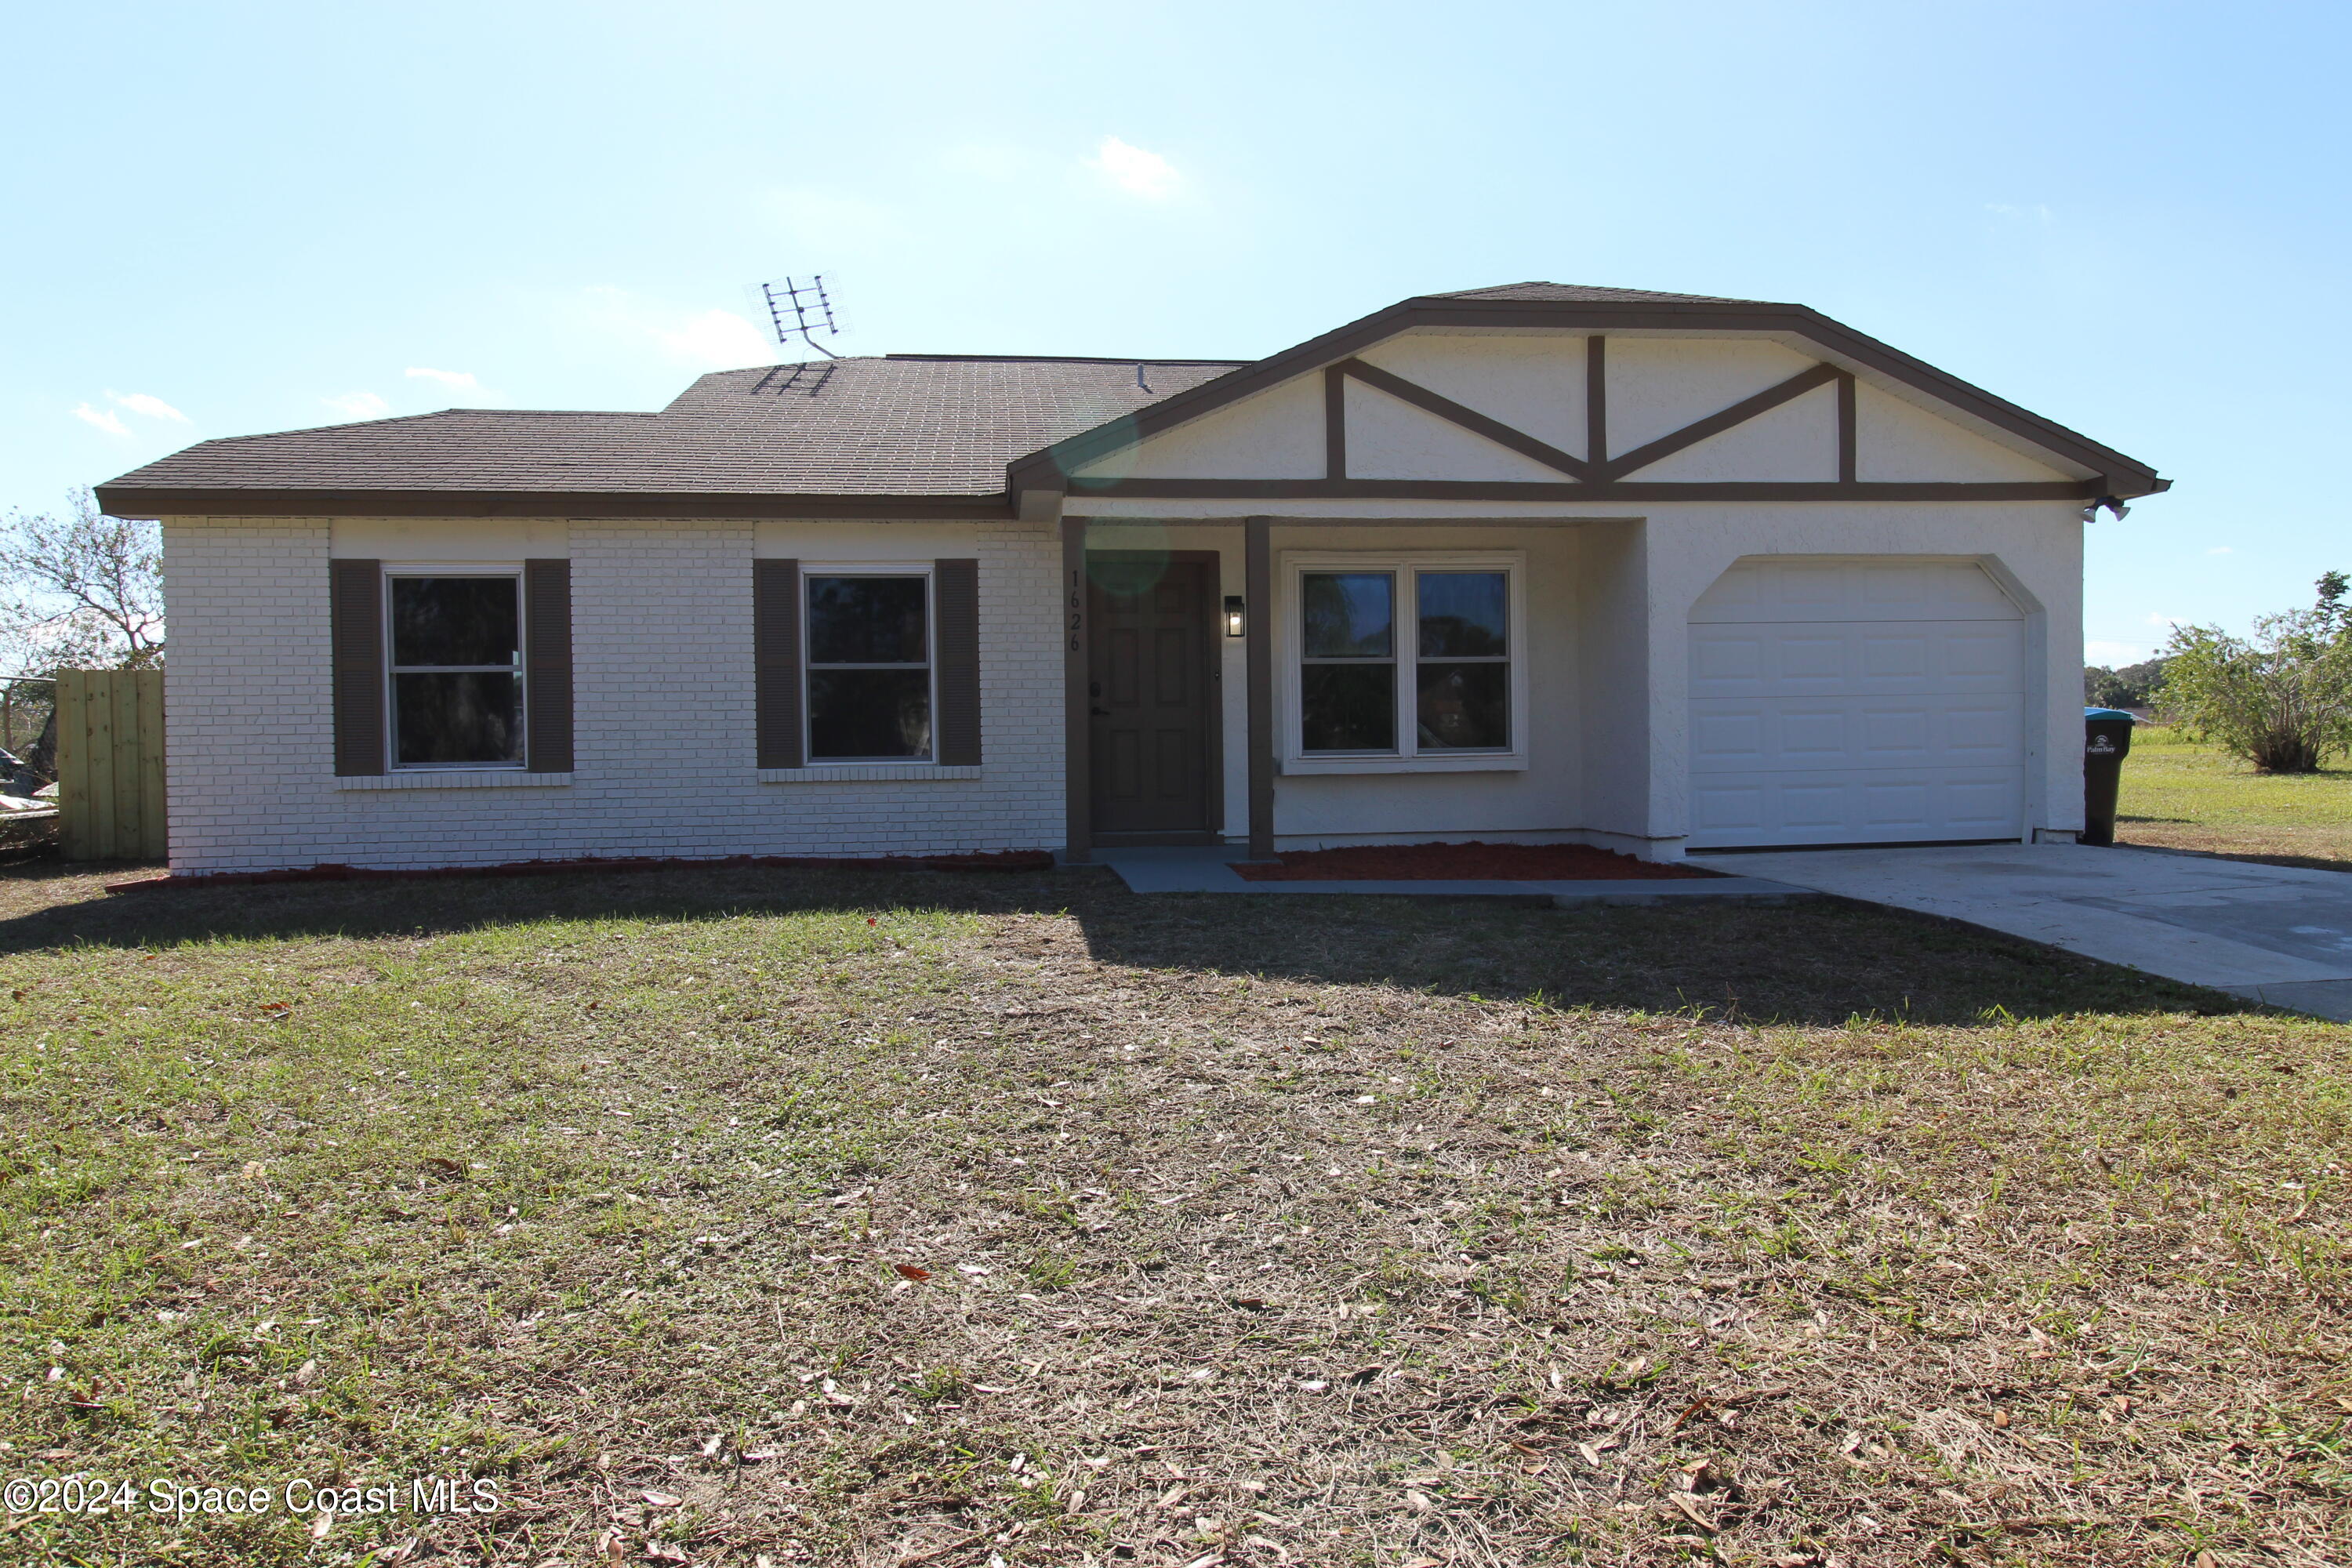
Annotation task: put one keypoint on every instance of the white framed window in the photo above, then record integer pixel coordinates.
(1405, 663)
(866, 642)
(454, 667)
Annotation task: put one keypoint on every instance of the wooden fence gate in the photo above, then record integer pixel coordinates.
(111, 765)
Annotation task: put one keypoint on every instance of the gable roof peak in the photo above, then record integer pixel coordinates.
(1600, 312)
(1582, 293)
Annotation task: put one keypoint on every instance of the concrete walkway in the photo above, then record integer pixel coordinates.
(2280, 934)
(1210, 870)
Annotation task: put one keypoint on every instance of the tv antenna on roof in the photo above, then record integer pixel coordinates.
(796, 309)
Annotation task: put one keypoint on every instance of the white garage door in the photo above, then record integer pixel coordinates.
(1866, 700)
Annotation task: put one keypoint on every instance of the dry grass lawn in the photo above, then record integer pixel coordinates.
(2179, 795)
(890, 1220)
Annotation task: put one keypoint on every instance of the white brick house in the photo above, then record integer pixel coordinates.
(1536, 562)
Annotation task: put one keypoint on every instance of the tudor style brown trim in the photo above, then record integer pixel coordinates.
(1467, 418)
(1422, 520)
(955, 626)
(355, 610)
(2125, 476)
(1539, 491)
(142, 501)
(1258, 559)
(1596, 404)
(1077, 728)
(915, 508)
(1722, 419)
(776, 664)
(547, 665)
(1847, 446)
(1335, 423)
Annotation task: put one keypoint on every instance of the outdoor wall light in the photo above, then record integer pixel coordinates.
(1234, 624)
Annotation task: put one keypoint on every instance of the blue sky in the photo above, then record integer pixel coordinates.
(230, 218)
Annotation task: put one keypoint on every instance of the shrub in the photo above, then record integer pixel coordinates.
(2281, 699)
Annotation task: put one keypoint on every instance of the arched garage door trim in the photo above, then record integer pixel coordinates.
(1857, 699)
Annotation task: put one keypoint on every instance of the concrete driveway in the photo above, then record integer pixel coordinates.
(2278, 934)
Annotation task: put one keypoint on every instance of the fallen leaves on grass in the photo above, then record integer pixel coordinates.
(1762, 1280)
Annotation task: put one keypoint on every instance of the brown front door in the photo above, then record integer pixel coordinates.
(1152, 691)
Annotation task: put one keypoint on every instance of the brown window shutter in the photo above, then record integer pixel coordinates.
(547, 666)
(955, 618)
(355, 613)
(776, 662)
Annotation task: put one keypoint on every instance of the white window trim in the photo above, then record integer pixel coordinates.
(815, 766)
(509, 569)
(1295, 564)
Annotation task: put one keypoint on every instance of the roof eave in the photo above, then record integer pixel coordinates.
(155, 501)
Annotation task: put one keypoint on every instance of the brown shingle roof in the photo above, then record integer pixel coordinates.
(943, 435)
(1582, 293)
(903, 424)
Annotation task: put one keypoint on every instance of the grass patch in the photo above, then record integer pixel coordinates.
(2180, 795)
(845, 1218)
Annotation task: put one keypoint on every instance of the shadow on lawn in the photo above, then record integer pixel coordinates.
(1808, 962)
(2253, 856)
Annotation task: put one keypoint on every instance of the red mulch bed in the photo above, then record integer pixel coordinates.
(1466, 862)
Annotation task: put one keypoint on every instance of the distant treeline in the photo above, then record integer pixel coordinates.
(2133, 686)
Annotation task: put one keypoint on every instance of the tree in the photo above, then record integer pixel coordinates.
(2281, 699)
(79, 590)
(2133, 686)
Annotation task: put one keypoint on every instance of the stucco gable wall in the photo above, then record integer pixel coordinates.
(1657, 386)
(1796, 442)
(1897, 440)
(1391, 439)
(1277, 434)
(1534, 382)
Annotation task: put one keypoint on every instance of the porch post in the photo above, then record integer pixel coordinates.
(1257, 556)
(1077, 729)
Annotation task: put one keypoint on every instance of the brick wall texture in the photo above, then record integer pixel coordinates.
(662, 679)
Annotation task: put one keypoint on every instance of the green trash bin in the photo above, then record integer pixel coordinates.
(2107, 741)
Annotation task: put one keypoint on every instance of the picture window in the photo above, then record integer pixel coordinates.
(1347, 672)
(869, 667)
(1405, 661)
(1462, 681)
(456, 670)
